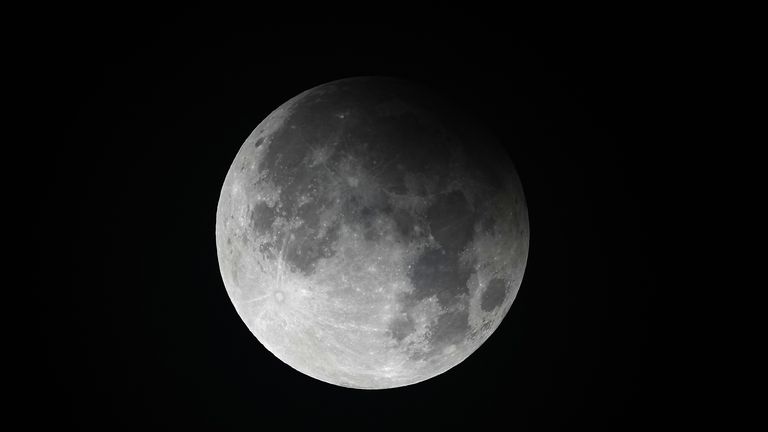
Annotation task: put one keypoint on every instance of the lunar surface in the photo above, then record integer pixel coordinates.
(371, 236)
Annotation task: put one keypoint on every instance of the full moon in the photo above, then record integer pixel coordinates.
(370, 234)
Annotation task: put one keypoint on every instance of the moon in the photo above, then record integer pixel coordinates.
(370, 234)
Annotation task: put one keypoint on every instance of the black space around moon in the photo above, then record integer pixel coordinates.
(147, 109)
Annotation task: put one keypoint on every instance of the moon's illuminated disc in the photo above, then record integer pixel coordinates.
(369, 236)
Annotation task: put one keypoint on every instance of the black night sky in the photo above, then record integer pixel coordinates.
(139, 333)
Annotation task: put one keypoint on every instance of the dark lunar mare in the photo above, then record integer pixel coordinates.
(441, 273)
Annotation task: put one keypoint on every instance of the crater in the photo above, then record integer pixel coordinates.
(494, 295)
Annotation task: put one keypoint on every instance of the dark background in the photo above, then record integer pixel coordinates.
(151, 106)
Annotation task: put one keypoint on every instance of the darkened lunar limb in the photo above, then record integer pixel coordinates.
(369, 236)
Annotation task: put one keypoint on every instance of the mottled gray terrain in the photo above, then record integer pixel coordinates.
(369, 236)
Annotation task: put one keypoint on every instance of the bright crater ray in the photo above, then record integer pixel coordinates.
(369, 236)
